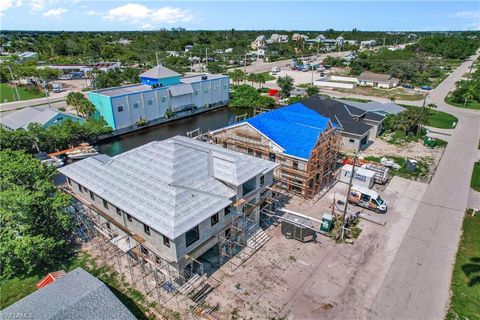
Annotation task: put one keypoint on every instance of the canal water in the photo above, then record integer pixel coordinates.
(206, 121)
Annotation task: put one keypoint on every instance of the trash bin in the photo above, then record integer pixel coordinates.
(411, 165)
(327, 222)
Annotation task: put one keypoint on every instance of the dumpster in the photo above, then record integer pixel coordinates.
(411, 165)
(298, 228)
(429, 142)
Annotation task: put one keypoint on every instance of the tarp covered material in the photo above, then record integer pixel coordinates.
(180, 90)
(295, 128)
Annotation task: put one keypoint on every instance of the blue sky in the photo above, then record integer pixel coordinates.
(78, 15)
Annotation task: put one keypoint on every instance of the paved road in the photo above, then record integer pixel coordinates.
(417, 284)
(11, 106)
(258, 67)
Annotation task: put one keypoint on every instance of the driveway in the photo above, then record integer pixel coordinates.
(418, 282)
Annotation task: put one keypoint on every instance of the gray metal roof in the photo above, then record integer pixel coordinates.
(198, 78)
(22, 118)
(180, 90)
(77, 295)
(375, 106)
(170, 185)
(159, 72)
(118, 91)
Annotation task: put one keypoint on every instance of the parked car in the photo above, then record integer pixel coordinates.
(428, 88)
(407, 86)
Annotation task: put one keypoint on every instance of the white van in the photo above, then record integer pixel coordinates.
(366, 198)
(275, 70)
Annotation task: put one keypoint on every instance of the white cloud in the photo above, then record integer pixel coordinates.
(467, 15)
(8, 4)
(92, 13)
(146, 17)
(55, 13)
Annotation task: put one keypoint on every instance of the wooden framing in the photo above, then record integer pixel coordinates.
(299, 176)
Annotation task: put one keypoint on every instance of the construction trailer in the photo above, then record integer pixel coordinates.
(305, 144)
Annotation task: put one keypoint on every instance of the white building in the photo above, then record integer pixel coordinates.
(171, 199)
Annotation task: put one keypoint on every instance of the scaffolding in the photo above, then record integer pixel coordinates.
(303, 178)
(243, 237)
(128, 253)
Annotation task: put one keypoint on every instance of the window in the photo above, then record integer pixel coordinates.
(191, 236)
(158, 260)
(120, 108)
(105, 204)
(225, 86)
(262, 181)
(206, 90)
(129, 217)
(249, 186)
(250, 151)
(351, 140)
(70, 182)
(146, 229)
(144, 250)
(295, 164)
(214, 219)
(271, 156)
(228, 233)
(163, 99)
(135, 105)
(150, 102)
(258, 154)
(166, 241)
(119, 212)
(92, 196)
(227, 210)
(80, 188)
(196, 92)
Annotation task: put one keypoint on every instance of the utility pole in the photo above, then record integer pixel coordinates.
(312, 73)
(419, 127)
(348, 193)
(206, 59)
(17, 98)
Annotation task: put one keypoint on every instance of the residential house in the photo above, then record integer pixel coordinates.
(377, 80)
(303, 142)
(298, 37)
(76, 295)
(355, 125)
(368, 43)
(27, 55)
(169, 201)
(188, 48)
(381, 108)
(162, 93)
(45, 117)
(260, 41)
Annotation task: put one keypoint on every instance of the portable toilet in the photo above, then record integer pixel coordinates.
(327, 222)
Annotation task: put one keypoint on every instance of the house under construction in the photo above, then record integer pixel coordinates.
(166, 203)
(304, 143)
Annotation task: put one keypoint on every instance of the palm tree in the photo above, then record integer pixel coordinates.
(252, 77)
(74, 99)
(469, 94)
(260, 80)
(286, 85)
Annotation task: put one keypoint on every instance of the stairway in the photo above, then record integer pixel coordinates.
(257, 240)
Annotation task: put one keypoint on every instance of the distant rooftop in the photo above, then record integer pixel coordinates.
(170, 185)
(22, 118)
(295, 128)
(370, 76)
(197, 78)
(375, 106)
(159, 72)
(76, 296)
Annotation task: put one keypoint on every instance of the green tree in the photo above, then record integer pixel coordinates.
(36, 227)
(252, 77)
(245, 96)
(237, 76)
(75, 99)
(286, 85)
(312, 91)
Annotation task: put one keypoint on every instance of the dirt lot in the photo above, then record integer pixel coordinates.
(323, 280)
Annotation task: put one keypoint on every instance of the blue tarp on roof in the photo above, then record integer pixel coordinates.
(295, 128)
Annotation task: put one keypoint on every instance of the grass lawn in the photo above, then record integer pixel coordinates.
(442, 120)
(397, 94)
(470, 105)
(356, 99)
(267, 76)
(6, 93)
(475, 183)
(423, 166)
(465, 284)
(15, 289)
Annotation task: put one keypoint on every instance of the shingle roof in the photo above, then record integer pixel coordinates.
(21, 118)
(375, 106)
(370, 76)
(77, 296)
(159, 72)
(295, 128)
(170, 185)
(339, 113)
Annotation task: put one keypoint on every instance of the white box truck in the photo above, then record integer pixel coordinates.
(366, 198)
(363, 177)
(275, 70)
